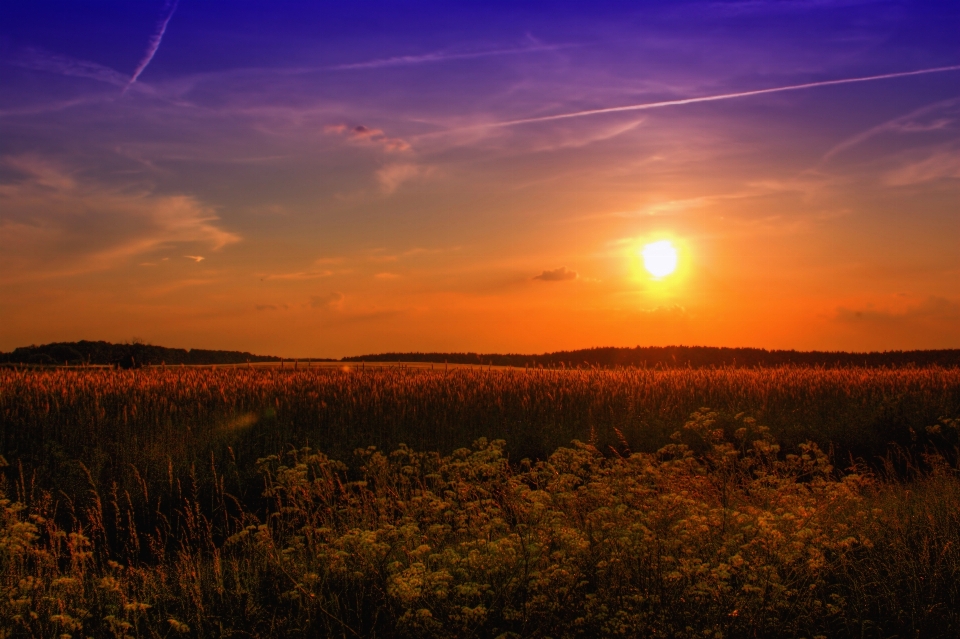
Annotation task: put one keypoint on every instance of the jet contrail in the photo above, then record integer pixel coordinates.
(713, 98)
(154, 43)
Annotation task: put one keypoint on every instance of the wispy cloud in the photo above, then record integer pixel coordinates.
(55, 224)
(925, 127)
(444, 56)
(557, 275)
(363, 135)
(910, 123)
(154, 43)
(780, 6)
(393, 175)
(671, 312)
(299, 275)
(378, 255)
(55, 107)
(39, 60)
(332, 301)
(195, 258)
(931, 309)
(941, 164)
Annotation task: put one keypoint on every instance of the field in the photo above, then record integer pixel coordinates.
(332, 501)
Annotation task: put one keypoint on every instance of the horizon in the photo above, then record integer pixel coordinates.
(358, 357)
(488, 178)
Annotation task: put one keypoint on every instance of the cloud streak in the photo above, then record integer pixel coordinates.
(39, 60)
(392, 176)
(56, 225)
(942, 164)
(442, 56)
(154, 43)
(903, 124)
(717, 98)
(333, 301)
(937, 309)
(362, 135)
(557, 275)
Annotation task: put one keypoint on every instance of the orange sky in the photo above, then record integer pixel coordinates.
(252, 205)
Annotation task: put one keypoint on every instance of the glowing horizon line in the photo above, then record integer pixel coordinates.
(714, 98)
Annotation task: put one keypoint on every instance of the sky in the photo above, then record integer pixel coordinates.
(327, 179)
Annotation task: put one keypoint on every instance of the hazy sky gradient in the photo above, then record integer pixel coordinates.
(321, 179)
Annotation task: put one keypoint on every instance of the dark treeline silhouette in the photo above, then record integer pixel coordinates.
(125, 355)
(682, 357)
(139, 354)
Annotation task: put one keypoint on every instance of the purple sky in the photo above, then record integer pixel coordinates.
(322, 179)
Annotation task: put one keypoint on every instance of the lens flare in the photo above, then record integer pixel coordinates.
(660, 258)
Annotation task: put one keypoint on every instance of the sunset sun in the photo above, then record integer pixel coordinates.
(659, 258)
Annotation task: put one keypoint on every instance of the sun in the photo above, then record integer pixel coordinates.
(659, 258)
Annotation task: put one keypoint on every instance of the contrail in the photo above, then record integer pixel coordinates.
(154, 43)
(714, 98)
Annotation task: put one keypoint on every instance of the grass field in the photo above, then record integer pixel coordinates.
(405, 501)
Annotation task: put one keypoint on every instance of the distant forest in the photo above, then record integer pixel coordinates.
(124, 355)
(682, 357)
(138, 354)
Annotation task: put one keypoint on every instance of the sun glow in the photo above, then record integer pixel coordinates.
(659, 258)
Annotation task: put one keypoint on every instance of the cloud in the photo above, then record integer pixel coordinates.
(370, 316)
(362, 135)
(40, 173)
(39, 60)
(577, 136)
(932, 310)
(379, 254)
(299, 275)
(942, 164)
(443, 56)
(779, 6)
(54, 224)
(557, 275)
(392, 176)
(195, 258)
(672, 207)
(674, 312)
(915, 121)
(332, 301)
(924, 127)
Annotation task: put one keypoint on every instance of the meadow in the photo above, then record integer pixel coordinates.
(394, 502)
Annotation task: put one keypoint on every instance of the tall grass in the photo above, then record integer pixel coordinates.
(111, 419)
(197, 502)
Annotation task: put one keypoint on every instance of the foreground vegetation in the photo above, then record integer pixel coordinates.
(168, 503)
(110, 420)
